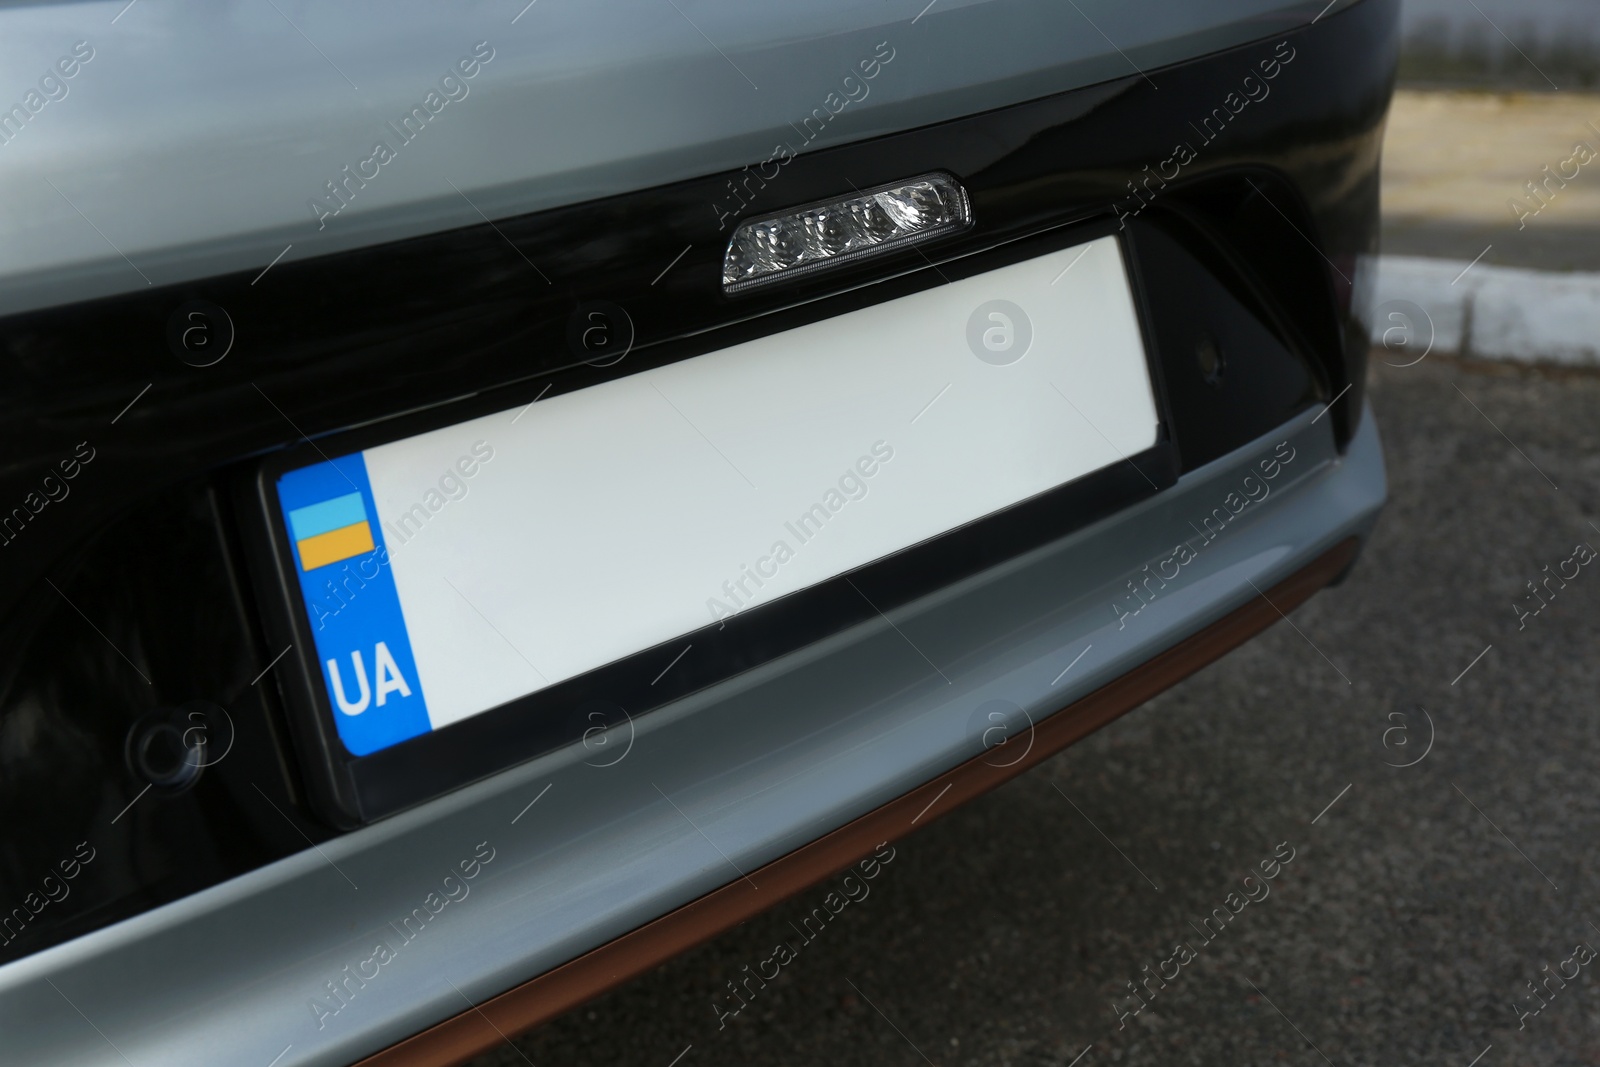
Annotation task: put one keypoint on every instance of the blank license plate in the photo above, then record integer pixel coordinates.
(454, 571)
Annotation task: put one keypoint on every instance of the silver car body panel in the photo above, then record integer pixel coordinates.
(195, 139)
(620, 832)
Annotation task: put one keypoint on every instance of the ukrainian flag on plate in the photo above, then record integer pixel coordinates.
(331, 531)
(353, 613)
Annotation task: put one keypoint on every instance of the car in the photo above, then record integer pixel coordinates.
(496, 496)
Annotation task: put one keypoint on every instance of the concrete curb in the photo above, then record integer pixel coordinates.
(1485, 312)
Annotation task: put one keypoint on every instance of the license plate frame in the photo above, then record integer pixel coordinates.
(597, 707)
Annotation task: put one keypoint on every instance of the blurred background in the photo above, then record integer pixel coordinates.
(1455, 44)
(1490, 164)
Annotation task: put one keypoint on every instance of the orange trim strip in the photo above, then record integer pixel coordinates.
(540, 999)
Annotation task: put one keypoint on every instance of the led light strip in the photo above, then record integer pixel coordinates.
(844, 230)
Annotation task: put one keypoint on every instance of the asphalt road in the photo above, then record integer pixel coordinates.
(1415, 907)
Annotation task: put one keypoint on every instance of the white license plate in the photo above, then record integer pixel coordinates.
(533, 545)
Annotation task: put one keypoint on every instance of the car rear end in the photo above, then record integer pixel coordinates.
(494, 498)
